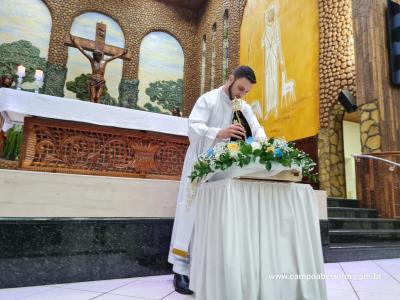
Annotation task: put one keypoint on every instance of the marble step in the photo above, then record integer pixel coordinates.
(343, 252)
(363, 223)
(363, 235)
(42, 251)
(342, 202)
(349, 212)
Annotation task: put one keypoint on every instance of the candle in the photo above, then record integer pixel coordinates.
(21, 71)
(38, 74)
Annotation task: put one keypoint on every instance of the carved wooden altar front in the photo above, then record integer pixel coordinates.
(80, 148)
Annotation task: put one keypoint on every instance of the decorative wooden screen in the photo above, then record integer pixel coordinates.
(80, 148)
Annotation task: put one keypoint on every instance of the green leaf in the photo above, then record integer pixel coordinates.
(257, 152)
(246, 149)
(12, 144)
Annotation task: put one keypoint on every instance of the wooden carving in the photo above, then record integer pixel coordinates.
(71, 147)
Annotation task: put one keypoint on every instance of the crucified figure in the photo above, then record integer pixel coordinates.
(98, 63)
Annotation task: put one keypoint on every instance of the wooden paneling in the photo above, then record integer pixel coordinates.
(80, 148)
(373, 68)
(378, 187)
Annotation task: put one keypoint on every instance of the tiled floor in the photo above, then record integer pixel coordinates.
(385, 286)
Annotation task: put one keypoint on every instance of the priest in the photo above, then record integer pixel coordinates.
(211, 121)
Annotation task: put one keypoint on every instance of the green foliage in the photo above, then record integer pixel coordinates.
(108, 100)
(152, 108)
(129, 93)
(167, 94)
(13, 144)
(80, 86)
(54, 80)
(242, 153)
(23, 53)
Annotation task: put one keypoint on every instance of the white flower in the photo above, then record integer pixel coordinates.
(212, 164)
(217, 154)
(256, 145)
(234, 154)
(280, 143)
(220, 147)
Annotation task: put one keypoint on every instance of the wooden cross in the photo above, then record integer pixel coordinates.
(98, 44)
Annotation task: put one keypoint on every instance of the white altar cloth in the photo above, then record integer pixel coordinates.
(15, 105)
(248, 231)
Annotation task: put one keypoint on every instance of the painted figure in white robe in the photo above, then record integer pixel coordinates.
(210, 122)
(278, 91)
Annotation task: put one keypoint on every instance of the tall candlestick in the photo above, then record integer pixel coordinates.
(21, 71)
(39, 80)
(38, 74)
(21, 74)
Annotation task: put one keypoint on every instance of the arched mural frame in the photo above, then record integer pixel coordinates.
(187, 51)
(166, 31)
(87, 15)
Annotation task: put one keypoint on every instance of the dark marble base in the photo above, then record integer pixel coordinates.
(50, 251)
(367, 251)
(342, 202)
(63, 250)
(349, 212)
(324, 229)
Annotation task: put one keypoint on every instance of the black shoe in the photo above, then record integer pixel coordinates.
(181, 284)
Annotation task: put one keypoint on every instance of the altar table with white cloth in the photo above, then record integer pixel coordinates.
(249, 231)
(16, 105)
(77, 137)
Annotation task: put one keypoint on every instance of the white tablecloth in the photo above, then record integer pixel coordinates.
(248, 231)
(15, 105)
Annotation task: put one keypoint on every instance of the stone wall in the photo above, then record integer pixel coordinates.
(331, 154)
(214, 14)
(337, 61)
(138, 18)
(337, 72)
(370, 133)
(54, 80)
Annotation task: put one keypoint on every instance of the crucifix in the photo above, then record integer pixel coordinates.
(97, 62)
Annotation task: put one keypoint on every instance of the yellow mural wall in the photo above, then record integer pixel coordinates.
(280, 41)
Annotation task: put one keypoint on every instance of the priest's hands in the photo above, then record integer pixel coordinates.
(233, 130)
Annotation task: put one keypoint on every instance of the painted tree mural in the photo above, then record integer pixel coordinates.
(166, 93)
(20, 53)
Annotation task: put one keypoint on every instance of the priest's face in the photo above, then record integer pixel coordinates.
(238, 87)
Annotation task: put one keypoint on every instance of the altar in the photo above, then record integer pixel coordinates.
(71, 136)
(256, 240)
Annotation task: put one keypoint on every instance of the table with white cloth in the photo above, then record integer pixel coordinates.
(16, 105)
(256, 240)
(74, 136)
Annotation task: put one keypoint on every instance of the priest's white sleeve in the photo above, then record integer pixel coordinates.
(200, 134)
(256, 129)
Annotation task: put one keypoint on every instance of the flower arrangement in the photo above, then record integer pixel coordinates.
(241, 153)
